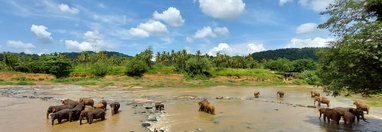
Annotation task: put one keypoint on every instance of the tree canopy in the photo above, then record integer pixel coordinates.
(354, 61)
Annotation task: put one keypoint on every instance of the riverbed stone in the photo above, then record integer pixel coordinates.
(152, 117)
(146, 124)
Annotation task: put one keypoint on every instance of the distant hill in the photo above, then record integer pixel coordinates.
(289, 53)
(73, 55)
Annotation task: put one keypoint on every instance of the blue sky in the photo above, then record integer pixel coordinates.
(233, 27)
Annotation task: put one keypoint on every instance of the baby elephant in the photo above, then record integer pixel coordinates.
(62, 114)
(322, 100)
(280, 94)
(361, 106)
(314, 94)
(114, 107)
(53, 109)
(159, 106)
(206, 107)
(87, 101)
(256, 94)
(93, 114)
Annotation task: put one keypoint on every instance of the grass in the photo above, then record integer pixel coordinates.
(260, 74)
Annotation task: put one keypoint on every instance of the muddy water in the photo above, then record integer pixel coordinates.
(23, 109)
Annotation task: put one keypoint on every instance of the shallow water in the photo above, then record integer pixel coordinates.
(238, 111)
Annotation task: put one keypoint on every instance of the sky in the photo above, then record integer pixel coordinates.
(233, 27)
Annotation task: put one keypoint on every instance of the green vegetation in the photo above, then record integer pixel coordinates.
(136, 68)
(354, 62)
(289, 53)
(197, 68)
(99, 69)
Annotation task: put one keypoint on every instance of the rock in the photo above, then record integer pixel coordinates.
(146, 124)
(276, 109)
(311, 106)
(152, 118)
(198, 129)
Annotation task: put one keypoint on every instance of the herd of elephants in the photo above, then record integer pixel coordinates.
(85, 108)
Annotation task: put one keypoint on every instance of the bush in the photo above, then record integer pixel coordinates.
(197, 68)
(99, 69)
(58, 67)
(310, 77)
(281, 64)
(136, 68)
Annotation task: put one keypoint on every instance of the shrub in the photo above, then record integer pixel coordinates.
(136, 68)
(197, 68)
(310, 77)
(99, 69)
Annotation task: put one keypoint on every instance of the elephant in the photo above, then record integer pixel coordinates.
(62, 114)
(314, 94)
(362, 106)
(202, 105)
(356, 112)
(93, 114)
(348, 118)
(159, 106)
(256, 94)
(209, 108)
(76, 111)
(100, 105)
(332, 114)
(87, 101)
(53, 109)
(320, 100)
(70, 102)
(104, 103)
(322, 110)
(280, 94)
(114, 107)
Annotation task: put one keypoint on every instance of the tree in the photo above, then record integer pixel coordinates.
(354, 61)
(197, 68)
(57, 66)
(281, 64)
(146, 56)
(303, 64)
(136, 68)
(99, 69)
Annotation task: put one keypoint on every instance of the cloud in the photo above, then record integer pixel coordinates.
(316, 42)
(170, 16)
(208, 32)
(222, 9)
(148, 28)
(283, 2)
(67, 9)
(93, 41)
(316, 5)
(19, 44)
(42, 34)
(306, 28)
(239, 49)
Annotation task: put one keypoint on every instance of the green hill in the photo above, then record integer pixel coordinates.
(289, 53)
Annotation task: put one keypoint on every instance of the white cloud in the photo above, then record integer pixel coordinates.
(41, 32)
(283, 2)
(221, 30)
(170, 16)
(67, 9)
(222, 9)
(93, 41)
(239, 49)
(148, 28)
(208, 32)
(316, 42)
(316, 5)
(19, 44)
(306, 28)
(205, 32)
